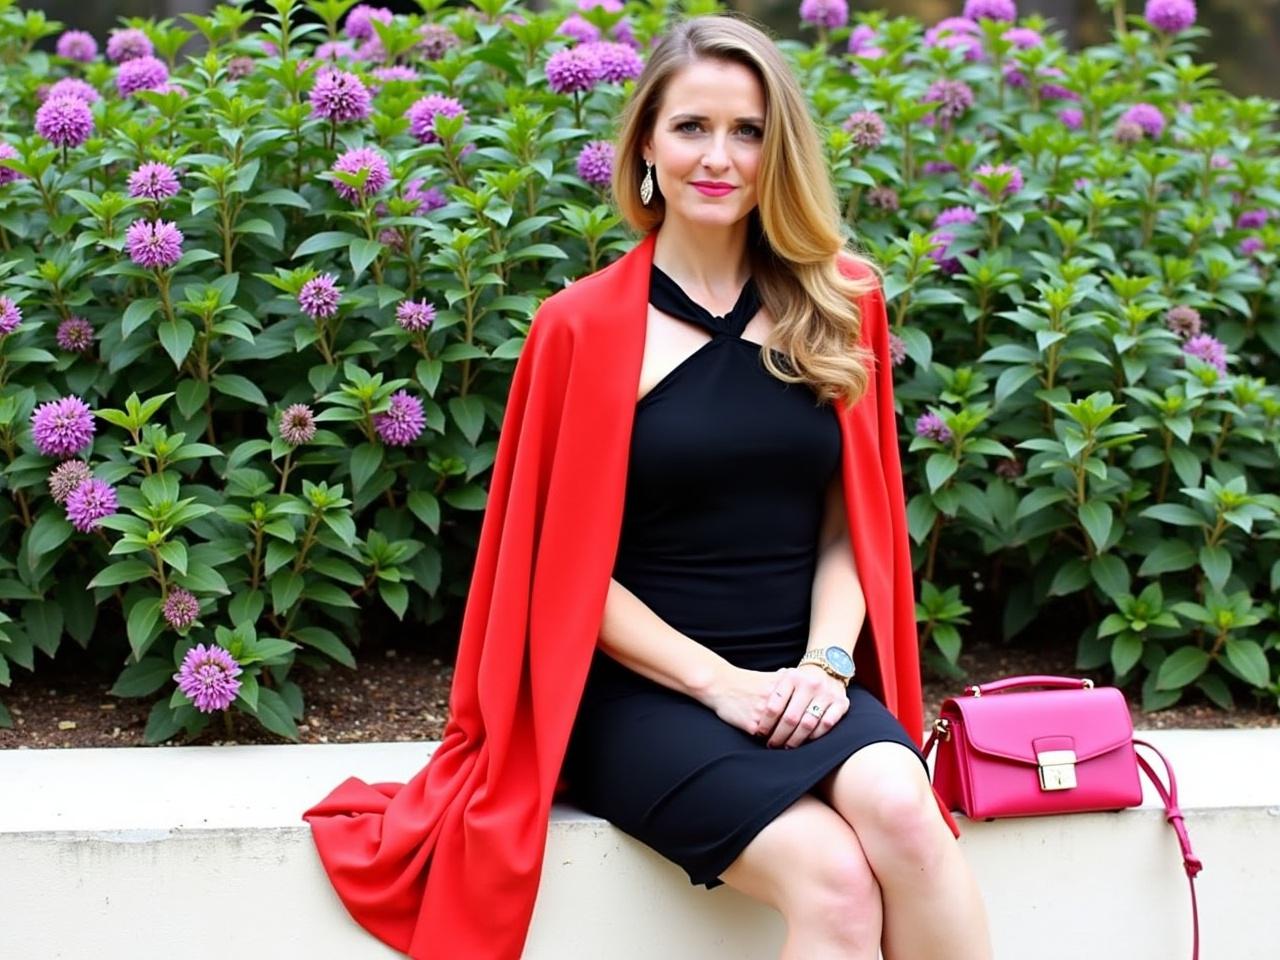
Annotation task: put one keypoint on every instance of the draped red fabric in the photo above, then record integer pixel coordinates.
(447, 865)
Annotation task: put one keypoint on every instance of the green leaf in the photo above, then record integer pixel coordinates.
(469, 497)
(468, 414)
(318, 243)
(142, 679)
(201, 578)
(1111, 574)
(136, 314)
(191, 396)
(424, 506)
(362, 253)
(48, 533)
(365, 461)
(1250, 661)
(1096, 517)
(939, 470)
(396, 596)
(176, 338)
(1126, 650)
(162, 723)
(1216, 564)
(1181, 667)
(126, 571)
(174, 553)
(1167, 557)
(142, 625)
(286, 587)
(274, 714)
(1174, 513)
(327, 642)
(234, 385)
(43, 620)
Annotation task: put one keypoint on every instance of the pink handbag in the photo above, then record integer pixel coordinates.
(1065, 750)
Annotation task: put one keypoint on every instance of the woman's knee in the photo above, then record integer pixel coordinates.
(889, 802)
(809, 865)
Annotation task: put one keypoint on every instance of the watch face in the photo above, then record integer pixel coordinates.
(840, 659)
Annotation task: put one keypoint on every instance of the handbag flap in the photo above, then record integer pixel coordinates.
(1010, 724)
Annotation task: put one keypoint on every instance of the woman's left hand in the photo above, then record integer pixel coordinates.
(787, 720)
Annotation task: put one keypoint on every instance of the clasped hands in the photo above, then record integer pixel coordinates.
(775, 704)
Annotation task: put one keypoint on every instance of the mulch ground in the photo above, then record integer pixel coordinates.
(401, 692)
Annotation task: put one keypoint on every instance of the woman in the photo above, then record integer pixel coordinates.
(676, 517)
(716, 725)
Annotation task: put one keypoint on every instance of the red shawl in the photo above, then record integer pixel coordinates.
(447, 865)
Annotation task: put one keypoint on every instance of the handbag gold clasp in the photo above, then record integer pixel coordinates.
(1057, 769)
(942, 727)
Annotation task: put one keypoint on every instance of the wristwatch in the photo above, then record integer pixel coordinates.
(835, 660)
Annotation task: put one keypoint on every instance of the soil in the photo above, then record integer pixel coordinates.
(400, 693)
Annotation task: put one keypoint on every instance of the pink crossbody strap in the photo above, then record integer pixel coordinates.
(1190, 862)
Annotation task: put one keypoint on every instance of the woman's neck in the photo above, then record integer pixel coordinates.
(708, 263)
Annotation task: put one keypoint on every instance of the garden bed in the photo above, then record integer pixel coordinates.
(401, 690)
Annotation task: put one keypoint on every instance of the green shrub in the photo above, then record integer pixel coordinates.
(287, 463)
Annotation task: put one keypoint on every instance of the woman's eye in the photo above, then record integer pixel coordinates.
(753, 130)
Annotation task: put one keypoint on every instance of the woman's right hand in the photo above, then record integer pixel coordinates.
(740, 697)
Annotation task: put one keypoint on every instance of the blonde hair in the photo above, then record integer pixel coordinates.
(794, 236)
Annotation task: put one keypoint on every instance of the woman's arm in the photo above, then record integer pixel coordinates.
(838, 604)
(639, 639)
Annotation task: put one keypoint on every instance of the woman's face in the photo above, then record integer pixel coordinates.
(709, 130)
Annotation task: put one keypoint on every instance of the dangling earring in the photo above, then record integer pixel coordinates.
(646, 185)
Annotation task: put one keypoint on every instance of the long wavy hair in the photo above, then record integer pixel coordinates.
(794, 232)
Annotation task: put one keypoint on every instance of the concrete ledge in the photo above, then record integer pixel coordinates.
(200, 851)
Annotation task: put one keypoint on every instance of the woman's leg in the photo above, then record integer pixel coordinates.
(807, 864)
(932, 907)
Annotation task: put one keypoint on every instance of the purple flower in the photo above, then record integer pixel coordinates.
(335, 50)
(897, 350)
(371, 51)
(1170, 16)
(319, 297)
(129, 44)
(954, 97)
(354, 162)
(950, 215)
(1024, 38)
(1252, 219)
(89, 502)
(1010, 468)
(415, 315)
(396, 73)
(617, 62)
(930, 425)
(154, 181)
(576, 28)
(573, 70)
(939, 250)
(10, 316)
(1251, 245)
(987, 169)
(339, 97)
(1146, 116)
(1126, 131)
(141, 73)
(64, 121)
(969, 45)
(1220, 161)
(1208, 349)
(73, 87)
(403, 422)
(990, 10)
(359, 22)
(595, 163)
(155, 245)
(8, 174)
(1183, 320)
(77, 45)
(882, 198)
(208, 677)
(938, 166)
(429, 199)
(437, 40)
(610, 6)
(825, 13)
(866, 127)
(861, 37)
(65, 477)
(63, 427)
(423, 112)
(297, 424)
(1072, 118)
(239, 67)
(74, 335)
(181, 608)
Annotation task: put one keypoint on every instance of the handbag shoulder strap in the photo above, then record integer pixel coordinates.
(1173, 814)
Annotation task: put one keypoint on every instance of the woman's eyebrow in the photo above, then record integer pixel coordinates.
(694, 116)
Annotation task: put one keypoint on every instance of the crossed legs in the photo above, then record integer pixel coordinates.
(866, 863)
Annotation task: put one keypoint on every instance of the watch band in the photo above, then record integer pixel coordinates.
(818, 656)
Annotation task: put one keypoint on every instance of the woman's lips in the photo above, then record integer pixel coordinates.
(712, 191)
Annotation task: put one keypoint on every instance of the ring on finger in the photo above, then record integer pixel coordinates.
(817, 709)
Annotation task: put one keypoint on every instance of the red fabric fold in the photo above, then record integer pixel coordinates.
(448, 864)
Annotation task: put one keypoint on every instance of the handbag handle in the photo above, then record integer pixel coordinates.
(1031, 680)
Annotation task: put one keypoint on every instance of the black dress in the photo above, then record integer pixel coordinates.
(725, 489)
